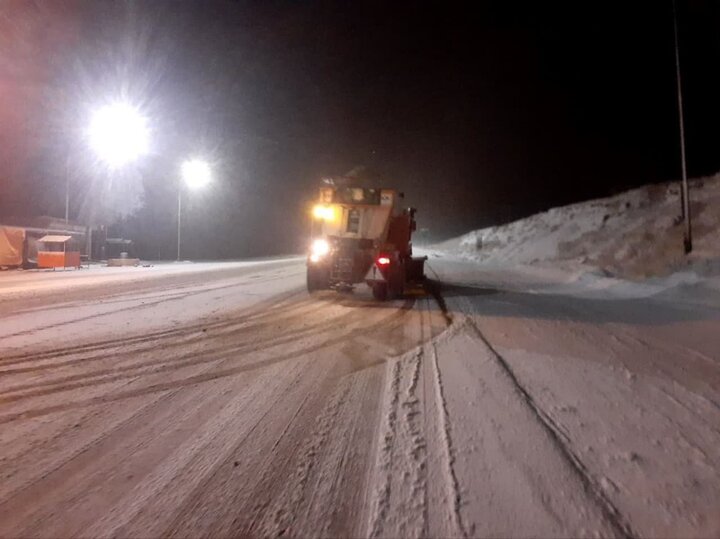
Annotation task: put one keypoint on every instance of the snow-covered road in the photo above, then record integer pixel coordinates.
(223, 400)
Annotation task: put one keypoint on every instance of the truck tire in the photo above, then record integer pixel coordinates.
(317, 279)
(396, 282)
(416, 269)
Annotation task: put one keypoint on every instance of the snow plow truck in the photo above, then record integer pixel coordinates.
(362, 234)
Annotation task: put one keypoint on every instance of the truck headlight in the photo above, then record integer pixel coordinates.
(319, 248)
(324, 212)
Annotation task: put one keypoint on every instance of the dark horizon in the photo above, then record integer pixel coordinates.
(481, 116)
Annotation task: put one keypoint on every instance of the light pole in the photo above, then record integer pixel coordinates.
(67, 188)
(196, 175)
(685, 192)
(118, 134)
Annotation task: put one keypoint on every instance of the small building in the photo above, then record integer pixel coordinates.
(32, 229)
(57, 251)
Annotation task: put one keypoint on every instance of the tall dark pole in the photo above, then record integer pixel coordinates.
(178, 219)
(67, 188)
(685, 195)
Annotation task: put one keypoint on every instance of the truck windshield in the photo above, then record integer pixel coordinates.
(356, 195)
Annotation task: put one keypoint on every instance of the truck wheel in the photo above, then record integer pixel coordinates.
(396, 292)
(396, 283)
(317, 279)
(380, 291)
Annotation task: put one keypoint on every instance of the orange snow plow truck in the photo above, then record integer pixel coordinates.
(360, 235)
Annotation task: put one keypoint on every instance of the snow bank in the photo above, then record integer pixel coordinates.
(637, 234)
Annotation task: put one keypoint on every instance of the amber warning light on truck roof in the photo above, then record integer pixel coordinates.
(326, 195)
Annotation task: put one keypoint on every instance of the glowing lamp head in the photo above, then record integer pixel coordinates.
(119, 134)
(323, 212)
(196, 173)
(383, 261)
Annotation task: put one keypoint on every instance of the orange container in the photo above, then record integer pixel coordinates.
(53, 259)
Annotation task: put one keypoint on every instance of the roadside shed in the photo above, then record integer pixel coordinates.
(58, 252)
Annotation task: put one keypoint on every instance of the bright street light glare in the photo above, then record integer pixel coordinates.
(196, 173)
(118, 133)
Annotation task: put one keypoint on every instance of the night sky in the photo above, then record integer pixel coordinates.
(481, 112)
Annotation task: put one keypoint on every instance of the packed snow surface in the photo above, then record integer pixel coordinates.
(224, 400)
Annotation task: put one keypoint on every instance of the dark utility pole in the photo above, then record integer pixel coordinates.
(179, 217)
(685, 196)
(67, 188)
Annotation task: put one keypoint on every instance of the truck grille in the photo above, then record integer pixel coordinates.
(342, 269)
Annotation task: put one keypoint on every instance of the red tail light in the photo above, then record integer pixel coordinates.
(383, 261)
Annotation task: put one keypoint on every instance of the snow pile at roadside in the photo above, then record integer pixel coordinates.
(637, 233)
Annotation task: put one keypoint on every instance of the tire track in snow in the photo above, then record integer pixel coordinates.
(277, 519)
(402, 496)
(412, 426)
(121, 394)
(28, 300)
(424, 313)
(382, 503)
(402, 427)
(182, 410)
(209, 373)
(267, 499)
(196, 497)
(343, 477)
(136, 414)
(144, 367)
(136, 307)
(91, 413)
(347, 407)
(592, 485)
(157, 292)
(451, 481)
(255, 312)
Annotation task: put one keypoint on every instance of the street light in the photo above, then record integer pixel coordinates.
(119, 134)
(195, 175)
